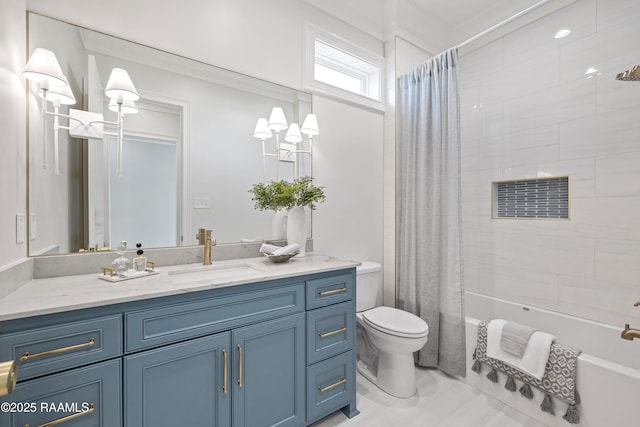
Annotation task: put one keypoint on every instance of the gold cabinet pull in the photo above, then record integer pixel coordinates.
(26, 355)
(336, 384)
(328, 334)
(331, 292)
(224, 373)
(239, 366)
(92, 406)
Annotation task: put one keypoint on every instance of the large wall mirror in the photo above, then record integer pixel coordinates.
(188, 155)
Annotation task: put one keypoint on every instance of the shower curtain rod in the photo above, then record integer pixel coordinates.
(500, 24)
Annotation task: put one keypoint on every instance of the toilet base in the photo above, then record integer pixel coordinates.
(396, 374)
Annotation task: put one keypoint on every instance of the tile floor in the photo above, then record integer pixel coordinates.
(441, 401)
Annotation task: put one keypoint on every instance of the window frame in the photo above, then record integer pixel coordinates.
(310, 84)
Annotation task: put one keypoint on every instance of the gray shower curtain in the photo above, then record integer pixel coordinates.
(428, 209)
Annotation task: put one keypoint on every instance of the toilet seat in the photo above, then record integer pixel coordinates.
(396, 322)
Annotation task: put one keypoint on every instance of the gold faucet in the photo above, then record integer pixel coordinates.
(208, 242)
(629, 333)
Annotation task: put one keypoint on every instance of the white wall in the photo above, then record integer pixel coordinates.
(13, 176)
(263, 39)
(348, 162)
(528, 110)
(258, 38)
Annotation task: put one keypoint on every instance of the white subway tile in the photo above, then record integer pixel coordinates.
(617, 261)
(551, 254)
(618, 175)
(600, 300)
(526, 286)
(539, 36)
(603, 218)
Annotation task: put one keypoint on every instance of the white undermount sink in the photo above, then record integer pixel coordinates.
(216, 274)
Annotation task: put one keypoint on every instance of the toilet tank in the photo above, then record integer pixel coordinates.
(368, 280)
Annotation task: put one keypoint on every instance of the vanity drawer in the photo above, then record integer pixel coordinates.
(55, 348)
(91, 395)
(330, 385)
(163, 325)
(330, 331)
(330, 290)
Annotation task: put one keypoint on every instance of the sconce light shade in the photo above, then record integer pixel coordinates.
(120, 87)
(293, 134)
(277, 121)
(262, 130)
(43, 67)
(128, 107)
(59, 95)
(310, 125)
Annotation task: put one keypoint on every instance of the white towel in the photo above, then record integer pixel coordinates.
(268, 249)
(535, 357)
(289, 249)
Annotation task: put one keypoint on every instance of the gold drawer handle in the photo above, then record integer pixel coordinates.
(92, 406)
(26, 355)
(239, 365)
(224, 373)
(328, 334)
(334, 291)
(336, 384)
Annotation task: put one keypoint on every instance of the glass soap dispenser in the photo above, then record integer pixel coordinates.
(121, 264)
(140, 262)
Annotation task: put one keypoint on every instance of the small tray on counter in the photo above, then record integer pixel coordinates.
(128, 275)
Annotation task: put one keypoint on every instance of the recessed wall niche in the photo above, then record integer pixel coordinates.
(531, 198)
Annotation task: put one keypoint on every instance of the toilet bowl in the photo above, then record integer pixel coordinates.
(394, 334)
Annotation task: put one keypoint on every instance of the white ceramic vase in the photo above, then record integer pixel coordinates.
(297, 228)
(279, 225)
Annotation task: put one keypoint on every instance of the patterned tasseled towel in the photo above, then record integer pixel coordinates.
(559, 378)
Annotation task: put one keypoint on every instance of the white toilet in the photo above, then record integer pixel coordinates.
(395, 335)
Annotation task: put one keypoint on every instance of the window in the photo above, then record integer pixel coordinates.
(339, 68)
(538, 198)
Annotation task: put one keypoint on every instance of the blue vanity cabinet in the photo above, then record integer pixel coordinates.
(269, 373)
(251, 376)
(235, 357)
(330, 354)
(276, 352)
(87, 396)
(69, 371)
(184, 384)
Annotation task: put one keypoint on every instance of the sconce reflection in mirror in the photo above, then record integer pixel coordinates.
(44, 69)
(285, 151)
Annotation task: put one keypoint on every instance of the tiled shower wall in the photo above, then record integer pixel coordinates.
(533, 106)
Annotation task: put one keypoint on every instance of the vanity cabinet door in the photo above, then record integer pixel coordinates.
(88, 396)
(269, 373)
(180, 385)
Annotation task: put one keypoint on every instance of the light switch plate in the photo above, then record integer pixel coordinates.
(201, 203)
(20, 228)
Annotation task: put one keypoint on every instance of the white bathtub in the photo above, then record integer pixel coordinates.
(608, 369)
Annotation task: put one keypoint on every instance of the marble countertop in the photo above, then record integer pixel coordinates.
(66, 293)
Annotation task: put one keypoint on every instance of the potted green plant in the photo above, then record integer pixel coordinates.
(292, 198)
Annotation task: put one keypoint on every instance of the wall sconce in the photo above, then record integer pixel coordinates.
(263, 132)
(44, 69)
(285, 150)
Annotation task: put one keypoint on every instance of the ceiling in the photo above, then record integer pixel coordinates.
(450, 21)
